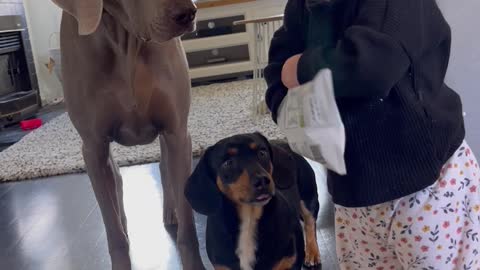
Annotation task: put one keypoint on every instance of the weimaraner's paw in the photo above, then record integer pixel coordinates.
(194, 266)
(121, 260)
(191, 259)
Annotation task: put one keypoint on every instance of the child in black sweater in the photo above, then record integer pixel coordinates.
(410, 199)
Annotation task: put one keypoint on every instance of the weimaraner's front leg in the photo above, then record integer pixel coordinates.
(169, 212)
(119, 185)
(107, 185)
(179, 164)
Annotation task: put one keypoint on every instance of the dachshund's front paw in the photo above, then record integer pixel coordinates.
(312, 256)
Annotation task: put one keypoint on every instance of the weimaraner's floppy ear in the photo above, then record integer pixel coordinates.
(201, 190)
(87, 12)
(284, 164)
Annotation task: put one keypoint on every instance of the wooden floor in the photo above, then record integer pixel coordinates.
(55, 224)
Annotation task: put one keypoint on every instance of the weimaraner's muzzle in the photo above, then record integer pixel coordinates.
(126, 80)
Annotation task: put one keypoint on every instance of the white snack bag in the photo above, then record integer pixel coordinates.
(310, 119)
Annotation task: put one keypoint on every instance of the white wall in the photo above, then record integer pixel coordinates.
(464, 69)
(43, 19)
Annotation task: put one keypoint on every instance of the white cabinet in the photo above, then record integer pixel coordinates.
(220, 49)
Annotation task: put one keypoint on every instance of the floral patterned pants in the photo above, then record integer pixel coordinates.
(436, 228)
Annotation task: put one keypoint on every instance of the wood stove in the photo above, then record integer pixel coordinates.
(18, 99)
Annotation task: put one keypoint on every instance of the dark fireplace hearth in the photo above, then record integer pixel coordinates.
(18, 99)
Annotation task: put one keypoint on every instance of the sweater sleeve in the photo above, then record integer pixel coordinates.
(286, 42)
(365, 62)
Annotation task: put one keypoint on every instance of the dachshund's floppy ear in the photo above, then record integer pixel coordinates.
(284, 167)
(201, 191)
(284, 164)
(88, 13)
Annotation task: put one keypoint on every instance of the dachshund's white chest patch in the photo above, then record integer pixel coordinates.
(247, 240)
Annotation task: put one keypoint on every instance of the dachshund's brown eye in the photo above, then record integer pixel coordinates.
(227, 164)
(262, 154)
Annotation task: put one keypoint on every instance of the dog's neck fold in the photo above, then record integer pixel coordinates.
(131, 46)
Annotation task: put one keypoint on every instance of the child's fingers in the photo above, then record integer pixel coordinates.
(289, 72)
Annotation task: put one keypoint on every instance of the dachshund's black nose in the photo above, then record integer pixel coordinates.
(261, 182)
(186, 16)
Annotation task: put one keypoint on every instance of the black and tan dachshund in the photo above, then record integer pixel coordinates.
(255, 194)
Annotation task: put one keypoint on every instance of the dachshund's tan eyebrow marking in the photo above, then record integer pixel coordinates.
(253, 146)
(232, 151)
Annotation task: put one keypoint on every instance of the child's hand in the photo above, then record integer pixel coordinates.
(289, 72)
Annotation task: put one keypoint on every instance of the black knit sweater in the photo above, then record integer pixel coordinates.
(388, 59)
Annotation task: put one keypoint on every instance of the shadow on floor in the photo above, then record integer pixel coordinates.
(55, 223)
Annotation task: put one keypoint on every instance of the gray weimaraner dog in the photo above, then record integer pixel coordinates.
(125, 79)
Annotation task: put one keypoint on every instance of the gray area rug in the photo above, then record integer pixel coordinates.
(217, 111)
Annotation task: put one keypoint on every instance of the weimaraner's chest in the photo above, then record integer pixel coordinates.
(131, 105)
